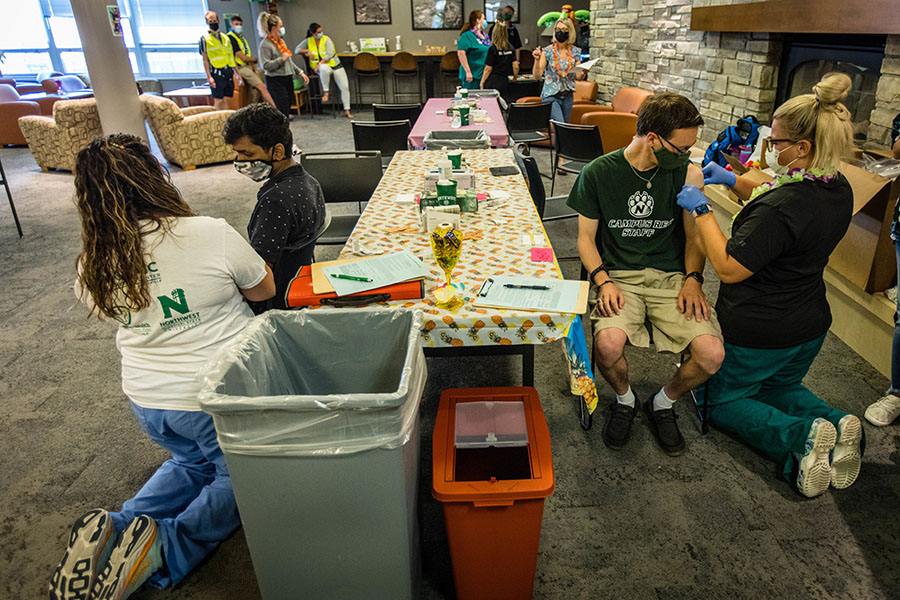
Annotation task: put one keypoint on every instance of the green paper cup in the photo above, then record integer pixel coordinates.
(455, 157)
(446, 192)
(463, 115)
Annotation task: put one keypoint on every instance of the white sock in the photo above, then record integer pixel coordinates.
(627, 398)
(661, 401)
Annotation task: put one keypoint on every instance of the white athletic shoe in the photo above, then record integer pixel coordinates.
(814, 468)
(90, 542)
(134, 559)
(884, 411)
(846, 458)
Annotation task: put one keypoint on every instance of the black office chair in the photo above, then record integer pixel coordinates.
(576, 145)
(549, 209)
(523, 88)
(386, 136)
(528, 123)
(397, 112)
(344, 177)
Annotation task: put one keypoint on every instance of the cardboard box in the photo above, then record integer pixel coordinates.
(465, 179)
(865, 256)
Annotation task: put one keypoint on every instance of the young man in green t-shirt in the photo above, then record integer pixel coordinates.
(637, 246)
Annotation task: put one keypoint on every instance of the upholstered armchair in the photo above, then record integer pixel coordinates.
(187, 137)
(626, 100)
(11, 108)
(55, 141)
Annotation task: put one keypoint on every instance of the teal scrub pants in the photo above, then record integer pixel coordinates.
(759, 396)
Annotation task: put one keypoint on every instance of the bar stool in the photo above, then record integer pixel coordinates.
(449, 70)
(315, 93)
(405, 66)
(366, 65)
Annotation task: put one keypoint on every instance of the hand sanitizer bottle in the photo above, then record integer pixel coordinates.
(397, 44)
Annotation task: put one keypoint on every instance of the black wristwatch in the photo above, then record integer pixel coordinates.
(695, 275)
(701, 210)
(597, 270)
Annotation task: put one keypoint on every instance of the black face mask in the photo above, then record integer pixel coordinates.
(214, 26)
(562, 37)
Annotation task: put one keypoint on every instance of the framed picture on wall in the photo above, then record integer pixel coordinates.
(492, 8)
(437, 14)
(372, 12)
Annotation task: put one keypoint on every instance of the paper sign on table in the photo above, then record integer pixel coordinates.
(542, 255)
(380, 270)
(527, 293)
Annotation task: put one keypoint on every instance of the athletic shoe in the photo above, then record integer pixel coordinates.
(134, 559)
(884, 411)
(617, 429)
(846, 458)
(663, 424)
(813, 466)
(90, 543)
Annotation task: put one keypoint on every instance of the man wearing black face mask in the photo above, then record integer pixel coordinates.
(651, 265)
(218, 61)
(290, 209)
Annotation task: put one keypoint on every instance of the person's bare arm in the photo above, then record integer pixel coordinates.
(464, 61)
(264, 290)
(610, 298)
(714, 242)
(540, 63)
(515, 70)
(209, 77)
(486, 74)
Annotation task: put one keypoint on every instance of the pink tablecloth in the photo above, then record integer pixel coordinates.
(429, 120)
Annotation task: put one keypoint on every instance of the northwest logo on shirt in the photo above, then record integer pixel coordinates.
(640, 206)
(153, 274)
(177, 303)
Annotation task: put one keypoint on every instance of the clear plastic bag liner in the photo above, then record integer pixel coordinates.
(317, 382)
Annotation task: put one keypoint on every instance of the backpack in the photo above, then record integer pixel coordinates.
(744, 133)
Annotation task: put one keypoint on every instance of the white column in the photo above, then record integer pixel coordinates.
(109, 69)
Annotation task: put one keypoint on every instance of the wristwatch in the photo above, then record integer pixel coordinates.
(695, 274)
(701, 210)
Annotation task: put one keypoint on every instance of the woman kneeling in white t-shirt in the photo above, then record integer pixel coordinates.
(176, 284)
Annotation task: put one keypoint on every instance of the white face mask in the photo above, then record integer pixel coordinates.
(774, 164)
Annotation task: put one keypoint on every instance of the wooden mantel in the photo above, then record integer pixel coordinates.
(801, 16)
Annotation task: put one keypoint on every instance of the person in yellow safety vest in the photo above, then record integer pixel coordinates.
(323, 59)
(218, 61)
(246, 63)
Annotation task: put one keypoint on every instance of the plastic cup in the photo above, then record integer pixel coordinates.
(463, 93)
(446, 191)
(455, 157)
(463, 115)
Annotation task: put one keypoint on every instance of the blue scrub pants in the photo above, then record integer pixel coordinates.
(189, 496)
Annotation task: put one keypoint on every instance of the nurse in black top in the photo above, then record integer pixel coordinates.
(500, 63)
(772, 305)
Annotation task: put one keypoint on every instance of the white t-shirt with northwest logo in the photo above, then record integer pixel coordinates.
(194, 272)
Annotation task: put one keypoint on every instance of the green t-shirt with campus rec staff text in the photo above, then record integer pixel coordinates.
(638, 227)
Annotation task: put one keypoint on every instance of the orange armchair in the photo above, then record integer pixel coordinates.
(11, 108)
(626, 100)
(617, 129)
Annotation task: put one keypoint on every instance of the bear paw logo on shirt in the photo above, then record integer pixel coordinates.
(640, 205)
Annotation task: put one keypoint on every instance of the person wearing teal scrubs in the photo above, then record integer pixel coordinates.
(472, 49)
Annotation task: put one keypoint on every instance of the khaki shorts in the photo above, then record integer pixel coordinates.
(249, 75)
(651, 295)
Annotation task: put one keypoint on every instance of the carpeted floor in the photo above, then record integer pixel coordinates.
(714, 523)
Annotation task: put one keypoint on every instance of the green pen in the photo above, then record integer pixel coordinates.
(350, 277)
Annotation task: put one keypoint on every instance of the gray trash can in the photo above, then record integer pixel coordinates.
(462, 139)
(317, 415)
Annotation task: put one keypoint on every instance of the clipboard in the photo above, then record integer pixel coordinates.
(300, 293)
(484, 297)
(320, 281)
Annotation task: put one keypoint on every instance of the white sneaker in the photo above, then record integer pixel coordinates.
(137, 555)
(846, 458)
(90, 542)
(814, 468)
(884, 411)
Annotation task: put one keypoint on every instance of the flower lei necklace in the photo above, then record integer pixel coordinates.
(792, 176)
(569, 62)
(482, 37)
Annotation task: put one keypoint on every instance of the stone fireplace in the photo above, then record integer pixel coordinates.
(650, 44)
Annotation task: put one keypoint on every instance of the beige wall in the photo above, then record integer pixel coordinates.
(336, 18)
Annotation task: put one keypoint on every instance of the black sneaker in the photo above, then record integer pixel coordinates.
(665, 429)
(617, 429)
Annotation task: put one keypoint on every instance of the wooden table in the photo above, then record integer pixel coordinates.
(499, 251)
(430, 120)
(190, 96)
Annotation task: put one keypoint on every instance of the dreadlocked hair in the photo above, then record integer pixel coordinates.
(118, 183)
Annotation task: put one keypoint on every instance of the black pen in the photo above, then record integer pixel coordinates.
(525, 287)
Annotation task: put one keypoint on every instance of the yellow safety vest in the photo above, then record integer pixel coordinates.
(245, 47)
(318, 51)
(219, 52)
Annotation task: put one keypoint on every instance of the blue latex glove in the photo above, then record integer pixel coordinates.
(690, 197)
(715, 173)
